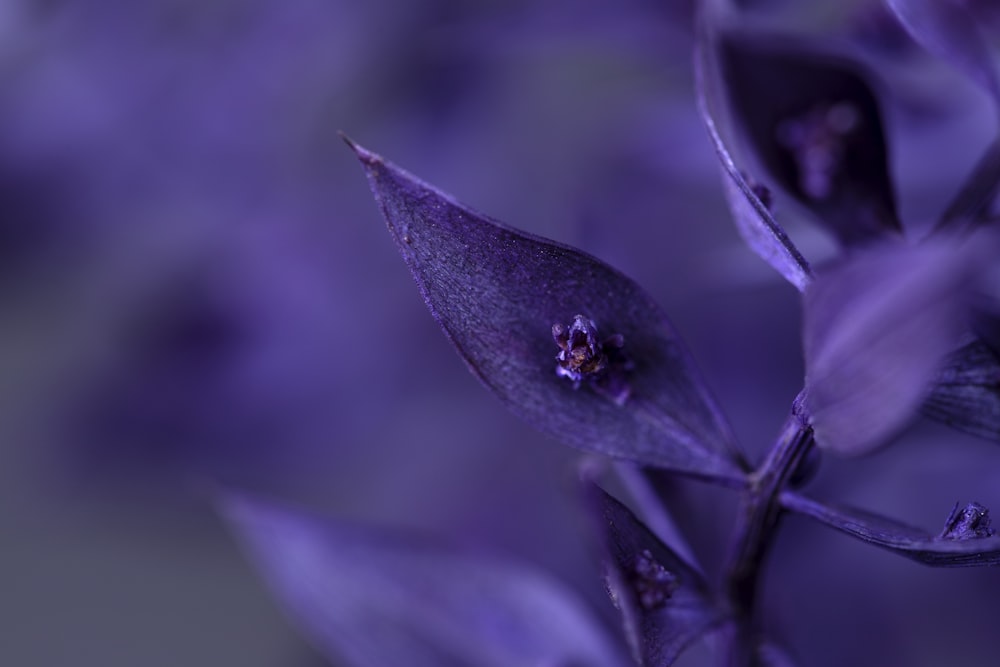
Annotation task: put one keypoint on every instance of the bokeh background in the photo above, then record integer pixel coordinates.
(197, 291)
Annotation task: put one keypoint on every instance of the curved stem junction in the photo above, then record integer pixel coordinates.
(759, 513)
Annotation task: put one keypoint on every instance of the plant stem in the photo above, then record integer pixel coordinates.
(759, 513)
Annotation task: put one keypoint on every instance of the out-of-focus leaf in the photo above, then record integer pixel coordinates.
(966, 394)
(899, 537)
(664, 602)
(373, 599)
(772, 655)
(510, 302)
(971, 204)
(753, 219)
(948, 29)
(815, 123)
(877, 329)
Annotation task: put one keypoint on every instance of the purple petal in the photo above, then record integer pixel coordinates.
(371, 599)
(753, 219)
(566, 342)
(663, 600)
(966, 394)
(814, 122)
(898, 537)
(877, 330)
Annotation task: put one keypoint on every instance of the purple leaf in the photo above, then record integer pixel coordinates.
(566, 342)
(951, 30)
(814, 122)
(370, 599)
(948, 29)
(971, 204)
(966, 394)
(877, 329)
(966, 548)
(770, 654)
(749, 203)
(663, 600)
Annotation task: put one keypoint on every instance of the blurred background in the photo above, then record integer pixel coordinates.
(197, 289)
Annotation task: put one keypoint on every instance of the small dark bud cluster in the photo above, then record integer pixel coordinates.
(967, 523)
(584, 356)
(816, 140)
(581, 354)
(653, 584)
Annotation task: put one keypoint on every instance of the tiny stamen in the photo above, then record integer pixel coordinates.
(580, 352)
(653, 584)
(583, 356)
(816, 140)
(969, 522)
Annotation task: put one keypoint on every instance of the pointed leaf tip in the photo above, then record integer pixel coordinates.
(567, 342)
(366, 157)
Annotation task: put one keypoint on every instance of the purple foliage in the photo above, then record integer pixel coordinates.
(750, 211)
(815, 122)
(883, 331)
(878, 327)
(201, 312)
(953, 30)
(664, 602)
(966, 541)
(376, 598)
(498, 293)
(966, 393)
